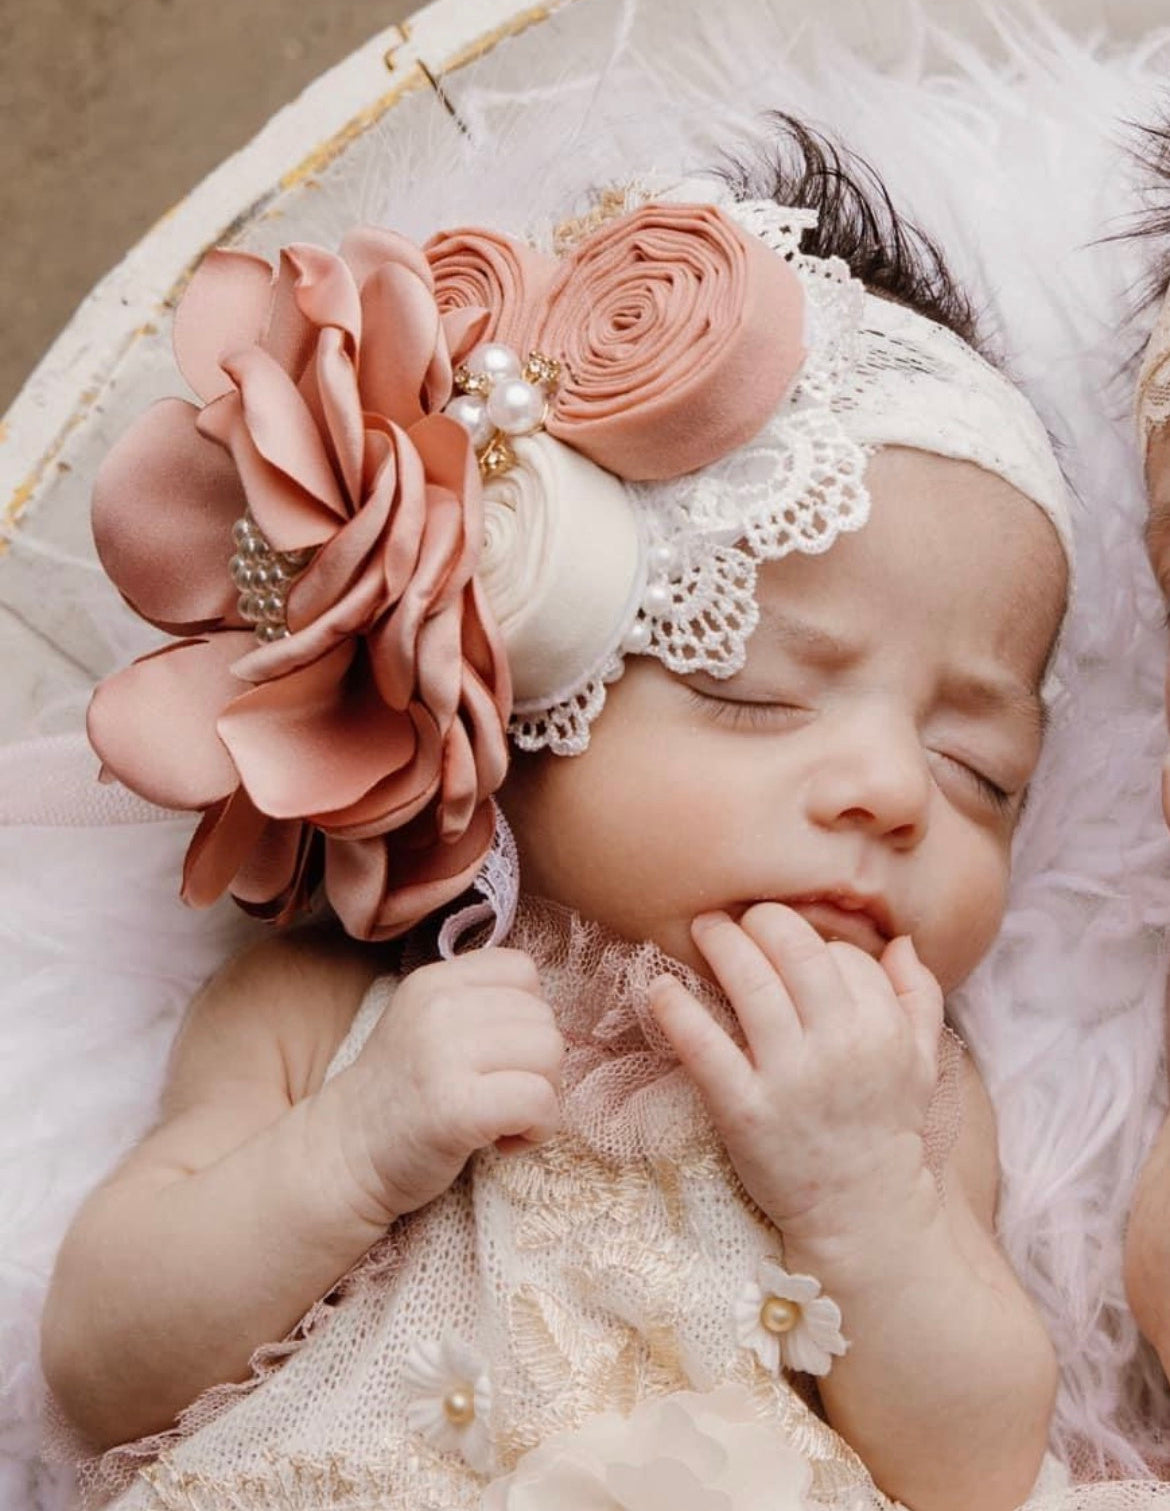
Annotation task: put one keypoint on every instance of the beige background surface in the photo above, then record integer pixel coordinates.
(114, 109)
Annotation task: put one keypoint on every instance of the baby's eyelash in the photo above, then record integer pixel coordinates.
(998, 796)
(740, 711)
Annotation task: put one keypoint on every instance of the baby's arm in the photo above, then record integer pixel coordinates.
(263, 1183)
(947, 1387)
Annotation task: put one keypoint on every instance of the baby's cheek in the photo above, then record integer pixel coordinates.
(967, 928)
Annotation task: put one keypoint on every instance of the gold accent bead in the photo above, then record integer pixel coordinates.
(465, 381)
(459, 1406)
(778, 1315)
(543, 370)
(497, 456)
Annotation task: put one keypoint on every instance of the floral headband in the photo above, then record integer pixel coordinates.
(435, 493)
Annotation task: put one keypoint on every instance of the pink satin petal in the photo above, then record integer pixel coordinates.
(153, 724)
(379, 888)
(403, 540)
(289, 337)
(401, 796)
(339, 403)
(340, 622)
(464, 329)
(223, 310)
(164, 503)
(402, 332)
(341, 560)
(450, 462)
(393, 641)
(487, 727)
(484, 650)
(281, 426)
(367, 248)
(317, 739)
(460, 785)
(326, 291)
(226, 834)
(290, 518)
(438, 658)
(281, 872)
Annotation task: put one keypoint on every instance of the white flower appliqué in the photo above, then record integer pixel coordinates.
(681, 1452)
(787, 1323)
(450, 1399)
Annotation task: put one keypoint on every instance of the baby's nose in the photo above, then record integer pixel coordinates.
(879, 782)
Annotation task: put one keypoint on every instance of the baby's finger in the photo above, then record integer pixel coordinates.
(801, 959)
(754, 987)
(515, 1045)
(917, 991)
(491, 967)
(711, 1059)
(515, 1104)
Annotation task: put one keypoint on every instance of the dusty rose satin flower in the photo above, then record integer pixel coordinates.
(383, 712)
(682, 1452)
(680, 334)
(505, 280)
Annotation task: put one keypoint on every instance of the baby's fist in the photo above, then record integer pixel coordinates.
(466, 1054)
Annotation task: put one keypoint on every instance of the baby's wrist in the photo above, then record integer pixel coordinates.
(347, 1189)
(852, 1228)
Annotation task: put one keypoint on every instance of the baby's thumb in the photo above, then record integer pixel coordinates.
(917, 990)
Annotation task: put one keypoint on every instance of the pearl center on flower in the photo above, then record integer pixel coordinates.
(499, 397)
(263, 577)
(459, 1406)
(778, 1315)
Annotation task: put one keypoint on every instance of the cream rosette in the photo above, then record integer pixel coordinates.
(562, 568)
(682, 1452)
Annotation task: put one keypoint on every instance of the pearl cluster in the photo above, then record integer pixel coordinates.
(664, 566)
(263, 577)
(501, 397)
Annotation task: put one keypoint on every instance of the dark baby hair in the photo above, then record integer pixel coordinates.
(856, 221)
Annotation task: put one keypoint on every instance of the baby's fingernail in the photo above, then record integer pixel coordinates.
(709, 920)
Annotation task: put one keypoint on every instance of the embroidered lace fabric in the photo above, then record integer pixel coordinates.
(588, 1274)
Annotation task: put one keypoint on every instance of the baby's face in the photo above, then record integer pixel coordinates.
(868, 764)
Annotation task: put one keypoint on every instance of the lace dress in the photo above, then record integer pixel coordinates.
(598, 1273)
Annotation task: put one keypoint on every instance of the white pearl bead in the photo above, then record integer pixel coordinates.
(637, 638)
(494, 361)
(471, 412)
(249, 607)
(663, 560)
(516, 407)
(657, 600)
(242, 530)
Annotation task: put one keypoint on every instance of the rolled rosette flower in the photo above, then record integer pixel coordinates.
(707, 1452)
(679, 335)
(562, 568)
(504, 280)
(378, 705)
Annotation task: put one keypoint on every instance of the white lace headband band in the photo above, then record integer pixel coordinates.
(583, 569)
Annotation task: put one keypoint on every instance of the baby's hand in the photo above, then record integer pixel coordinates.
(822, 1116)
(467, 1054)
